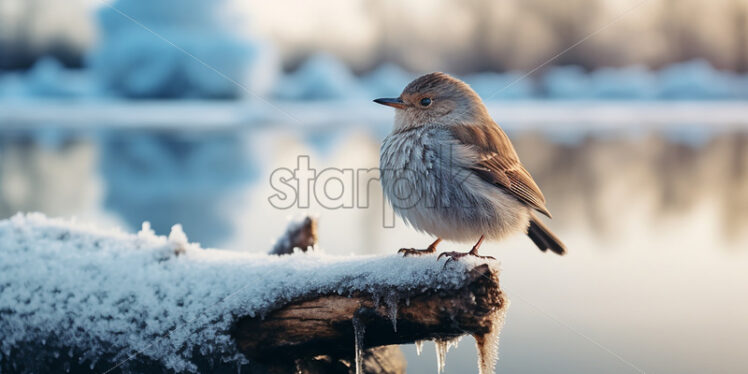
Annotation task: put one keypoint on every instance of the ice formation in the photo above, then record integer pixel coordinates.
(359, 329)
(47, 78)
(419, 347)
(320, 77)
(633, 82)
(566, 82)
(488, 344)
(132, 62)
(105, 295)
(697, 79)
(442, 347)
(147, 50)
(391, 302)
(690, 80)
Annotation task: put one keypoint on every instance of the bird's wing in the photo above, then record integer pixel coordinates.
(497, 163)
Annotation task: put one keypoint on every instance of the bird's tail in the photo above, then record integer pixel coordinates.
(543, 237)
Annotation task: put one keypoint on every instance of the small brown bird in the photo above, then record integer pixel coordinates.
(449, 170)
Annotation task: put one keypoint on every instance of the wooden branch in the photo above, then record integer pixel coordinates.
(324, 325)
(132, 318)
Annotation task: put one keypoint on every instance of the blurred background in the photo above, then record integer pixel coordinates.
(630, 114)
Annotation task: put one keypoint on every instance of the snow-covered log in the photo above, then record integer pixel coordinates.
(326, 325)
(76, 297)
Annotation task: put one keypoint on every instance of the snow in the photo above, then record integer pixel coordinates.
(634, 82)
(109, 294)
(210, 60)
(697, 80)
(690, 80)
(628, 83)
(320, 77)
(566, 82)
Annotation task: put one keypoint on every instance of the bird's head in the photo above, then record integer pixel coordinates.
(436, 99)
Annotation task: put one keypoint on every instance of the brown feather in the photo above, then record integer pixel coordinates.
(544, 238)
(498, 162)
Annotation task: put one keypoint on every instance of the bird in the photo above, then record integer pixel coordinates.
(449, 170)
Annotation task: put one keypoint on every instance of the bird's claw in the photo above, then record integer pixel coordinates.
(405, 251)
(414, 252)
(451, 255)
(454, 256)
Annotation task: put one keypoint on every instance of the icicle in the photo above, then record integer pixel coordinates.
(391, 301)
(442, 347)
(358, 332)
(419, 346)
(377, 299)
(441, 355)
(488, 344)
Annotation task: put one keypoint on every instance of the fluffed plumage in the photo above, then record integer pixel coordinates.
(449, 170)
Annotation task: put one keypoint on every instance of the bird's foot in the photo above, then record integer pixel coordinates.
(454, 256)
(415, 252)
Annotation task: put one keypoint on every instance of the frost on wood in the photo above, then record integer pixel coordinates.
(78, 297)
(488, 343)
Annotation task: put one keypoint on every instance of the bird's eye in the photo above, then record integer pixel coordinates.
(425, 102)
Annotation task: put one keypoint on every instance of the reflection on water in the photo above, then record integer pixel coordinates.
(165, 178)
(57, 178)
(607, 184)
(603, 185)
(655, 278)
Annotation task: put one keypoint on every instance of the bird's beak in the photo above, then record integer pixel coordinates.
(395, 103)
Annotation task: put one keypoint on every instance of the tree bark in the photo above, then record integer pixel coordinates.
(321, 329)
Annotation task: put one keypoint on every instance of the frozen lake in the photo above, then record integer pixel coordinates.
(651, 200)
